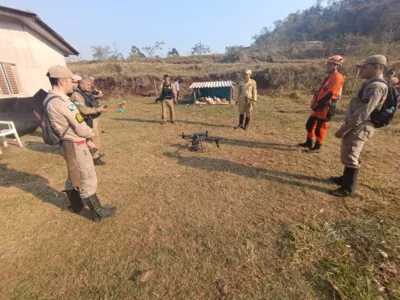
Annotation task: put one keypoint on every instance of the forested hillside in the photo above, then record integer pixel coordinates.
(368, 25)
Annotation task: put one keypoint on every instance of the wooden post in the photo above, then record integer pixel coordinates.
(194, 95)
(355, 79)
(231, 96)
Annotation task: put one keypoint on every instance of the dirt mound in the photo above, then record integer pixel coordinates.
(140, 85)
(273, 78)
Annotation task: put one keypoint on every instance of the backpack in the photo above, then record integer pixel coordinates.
(383, 116)
(50, 137)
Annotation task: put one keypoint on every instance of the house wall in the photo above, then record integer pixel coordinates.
(32, 54)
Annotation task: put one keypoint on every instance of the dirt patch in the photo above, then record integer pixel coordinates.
(140, 85)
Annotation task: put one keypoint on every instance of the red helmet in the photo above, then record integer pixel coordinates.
(336, 59)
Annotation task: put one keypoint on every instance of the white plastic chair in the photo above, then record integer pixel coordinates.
(11, 130)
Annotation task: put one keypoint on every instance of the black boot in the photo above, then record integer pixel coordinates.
(241, 118)
(315, 149)
(349, 183)
(75, 201)
(307, 144)
(247, 123)
(98, 162)
(97, 211)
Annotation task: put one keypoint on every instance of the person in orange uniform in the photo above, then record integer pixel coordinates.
(323, 105)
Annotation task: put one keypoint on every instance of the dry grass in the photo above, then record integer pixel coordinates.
(200, 70)
(251, 220)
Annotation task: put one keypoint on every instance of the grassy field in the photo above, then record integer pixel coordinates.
(251, 220)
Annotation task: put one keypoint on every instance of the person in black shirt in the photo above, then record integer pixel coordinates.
(168, 99)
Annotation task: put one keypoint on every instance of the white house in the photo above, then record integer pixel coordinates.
(28, 47)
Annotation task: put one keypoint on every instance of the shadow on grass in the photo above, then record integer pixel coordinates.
(36, 133)
(253, 144)
(176, 121)
(41, 147)
(23, 181)
(299, 111)
(221, 165)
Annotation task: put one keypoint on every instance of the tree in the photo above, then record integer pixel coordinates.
(173, 52)
(151, 50)
(339, 18)
(200, 49)
(135, 52)
(115, 54)
(100, 52)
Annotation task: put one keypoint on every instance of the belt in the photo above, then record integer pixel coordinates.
(77, 143)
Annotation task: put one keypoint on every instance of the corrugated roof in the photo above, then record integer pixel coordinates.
(211, 84)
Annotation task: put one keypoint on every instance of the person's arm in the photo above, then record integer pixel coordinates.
(254, 92)
(373, 93)
(333, 91)
(76, 121)
(79, 101)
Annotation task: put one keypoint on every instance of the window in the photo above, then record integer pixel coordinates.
(9, 79)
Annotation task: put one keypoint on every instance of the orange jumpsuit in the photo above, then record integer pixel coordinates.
(323, 106)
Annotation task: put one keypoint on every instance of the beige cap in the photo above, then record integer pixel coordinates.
(374, 59)
(248, 72)
(76, 77)
(60, 72)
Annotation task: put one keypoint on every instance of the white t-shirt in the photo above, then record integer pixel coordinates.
(177, 85)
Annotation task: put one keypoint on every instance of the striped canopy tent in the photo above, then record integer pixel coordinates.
(219, 89)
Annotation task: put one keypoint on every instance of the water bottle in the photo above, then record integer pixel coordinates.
(390, 110)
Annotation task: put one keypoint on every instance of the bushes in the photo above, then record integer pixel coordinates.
(233, 54)
(265, 57)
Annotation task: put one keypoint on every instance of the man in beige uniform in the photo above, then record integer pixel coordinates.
(69, 125)
(168, 99)
(85, 102)
(247, 99)
(358, 127)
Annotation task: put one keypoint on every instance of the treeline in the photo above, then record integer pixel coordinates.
(361, 23)
(153, 51)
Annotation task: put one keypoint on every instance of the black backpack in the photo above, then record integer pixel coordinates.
(381, 118)
(50, 137)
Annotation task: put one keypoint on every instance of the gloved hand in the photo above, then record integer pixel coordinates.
(91, 146)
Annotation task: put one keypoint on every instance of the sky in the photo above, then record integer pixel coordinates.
(179, 24)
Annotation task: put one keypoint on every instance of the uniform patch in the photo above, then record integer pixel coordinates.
(370, 91)
(72, 107)
(79, 118)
